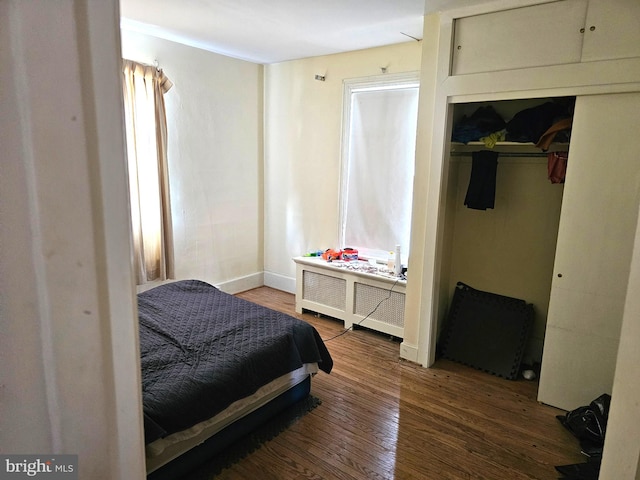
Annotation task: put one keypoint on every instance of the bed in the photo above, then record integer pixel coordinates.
(214, 366)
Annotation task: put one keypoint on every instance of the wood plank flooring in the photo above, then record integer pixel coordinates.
(386, 418)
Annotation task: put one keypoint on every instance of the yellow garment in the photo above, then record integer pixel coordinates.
(491, 140)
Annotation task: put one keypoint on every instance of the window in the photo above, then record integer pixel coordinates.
(143, 89)
(378, 156)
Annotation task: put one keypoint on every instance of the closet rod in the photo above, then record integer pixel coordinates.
(505, 154)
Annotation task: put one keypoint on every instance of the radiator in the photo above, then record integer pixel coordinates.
(383, 305)
(324, 289)
(371, 301)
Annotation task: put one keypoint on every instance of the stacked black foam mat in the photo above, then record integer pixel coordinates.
(486, 331)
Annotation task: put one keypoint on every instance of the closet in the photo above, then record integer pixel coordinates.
(517, 49)
(563, 247)
(508, 249)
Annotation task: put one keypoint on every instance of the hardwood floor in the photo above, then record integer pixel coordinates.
(386, 418)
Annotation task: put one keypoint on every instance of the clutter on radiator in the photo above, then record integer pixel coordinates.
(330, 254)
(350, 259)
(347, 254)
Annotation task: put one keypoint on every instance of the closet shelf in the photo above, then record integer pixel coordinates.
(507, 147)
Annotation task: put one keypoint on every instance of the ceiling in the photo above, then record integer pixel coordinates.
(271, 31)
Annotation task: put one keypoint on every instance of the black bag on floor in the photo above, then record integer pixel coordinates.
(580, 471)
(589, 423)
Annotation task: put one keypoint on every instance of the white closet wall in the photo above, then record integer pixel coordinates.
(510, 249)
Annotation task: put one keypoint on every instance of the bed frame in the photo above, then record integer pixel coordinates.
(196, 456)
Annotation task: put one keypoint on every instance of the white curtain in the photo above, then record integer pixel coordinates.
(377, 209)
(146, 128)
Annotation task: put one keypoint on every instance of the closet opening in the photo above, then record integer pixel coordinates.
(501, 223)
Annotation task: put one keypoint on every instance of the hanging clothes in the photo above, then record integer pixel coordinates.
(481, 192)
(557, 166)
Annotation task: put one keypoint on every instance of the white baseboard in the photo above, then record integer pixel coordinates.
(409, 352)
(280, 282)
(148, 286)
(242, 284)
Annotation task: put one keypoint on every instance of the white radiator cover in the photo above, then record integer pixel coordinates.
(373, 301)
(324, 290)
(387, 306)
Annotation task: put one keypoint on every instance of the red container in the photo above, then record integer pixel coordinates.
(349, 254)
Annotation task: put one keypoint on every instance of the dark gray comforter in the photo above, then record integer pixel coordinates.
(202, 349)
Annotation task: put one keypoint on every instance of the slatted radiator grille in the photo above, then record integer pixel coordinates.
(390, 311)
(324, 289)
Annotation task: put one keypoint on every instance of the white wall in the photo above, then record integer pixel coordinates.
(621, 457)
(69, 363)
(214, 122)
(302, 150)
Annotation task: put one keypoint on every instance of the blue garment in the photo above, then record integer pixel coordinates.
(484, 121)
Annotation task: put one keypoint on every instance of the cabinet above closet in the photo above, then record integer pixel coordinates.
(556, 33)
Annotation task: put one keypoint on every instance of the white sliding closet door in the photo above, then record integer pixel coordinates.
(595, 242)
